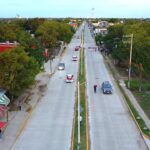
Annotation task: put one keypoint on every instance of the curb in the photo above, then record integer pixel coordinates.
(74, 120)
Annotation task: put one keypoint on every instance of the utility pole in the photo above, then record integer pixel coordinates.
(78, 148)
(130, 61)
(50, 61)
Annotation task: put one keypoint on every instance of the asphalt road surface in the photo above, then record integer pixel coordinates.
(110, 125)
(50, 125)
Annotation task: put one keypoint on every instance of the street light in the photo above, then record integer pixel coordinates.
(130, 60)
(48, 56)
(50, 61)
(78, 148)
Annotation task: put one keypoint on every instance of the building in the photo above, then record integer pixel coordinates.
(102, 31)
(101, 27)
(103, 24)
(4, 101)
(73, 23)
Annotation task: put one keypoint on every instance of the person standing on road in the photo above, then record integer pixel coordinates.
(0, 134)
(95, 87)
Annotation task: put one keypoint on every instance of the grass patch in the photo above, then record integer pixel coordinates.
(135, 114)
(144, 101)
(141, 124)
(142, 97)
(145, 85)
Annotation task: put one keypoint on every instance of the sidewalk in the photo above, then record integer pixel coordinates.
(18, 119)
(118, 77)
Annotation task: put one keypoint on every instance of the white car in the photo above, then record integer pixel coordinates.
(69, 78)
(61, 66)
(74, 58)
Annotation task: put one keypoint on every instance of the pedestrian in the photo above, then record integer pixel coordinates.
(95, 86)
(19, 107)
(0, 134)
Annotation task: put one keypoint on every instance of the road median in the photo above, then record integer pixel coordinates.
(81, 137)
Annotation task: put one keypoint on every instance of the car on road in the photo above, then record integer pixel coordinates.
(78, 37)
(61, 66)
(77, 48)
(69, 78)
(106, 87)
(74, 58)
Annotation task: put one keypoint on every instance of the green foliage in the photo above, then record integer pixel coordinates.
(143, 99)
(120, 53)
(141, 43)
(36, 51)
(18, 71)
(52, 31)
(135, 85)
(114, 36)
(48, 34)
(99, 38)
(65, 32)
(13, 32)
(33, 24)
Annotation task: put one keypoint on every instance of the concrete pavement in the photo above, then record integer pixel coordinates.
(50, 126)
(131, 97)
(18, 119)
(110, 124)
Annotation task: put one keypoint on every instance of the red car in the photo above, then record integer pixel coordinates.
(77, 48)
(69, 78)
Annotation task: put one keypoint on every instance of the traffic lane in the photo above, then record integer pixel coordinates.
(51, 122)
(111, 127)
(71, 67)
(52, 119)
(110, 100)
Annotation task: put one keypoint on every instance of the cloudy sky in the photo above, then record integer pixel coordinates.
(75, 8)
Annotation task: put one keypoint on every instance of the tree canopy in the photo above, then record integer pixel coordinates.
(50, 32)
(118, 41)
(18, 70)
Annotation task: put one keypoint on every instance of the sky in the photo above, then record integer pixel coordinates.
(75, 8)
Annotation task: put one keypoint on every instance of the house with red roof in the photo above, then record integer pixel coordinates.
(73, 23)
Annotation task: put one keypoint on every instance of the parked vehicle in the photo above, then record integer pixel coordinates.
(61, 66)
(69, 78)
(107, 87)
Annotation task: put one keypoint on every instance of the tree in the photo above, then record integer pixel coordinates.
(13, 32)
(51, 32)
(65, 32)
(115, 34)
(120, 53)
(141, 44)
(36, 51)
(18, 71)
(32, 25)
(48, 34)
